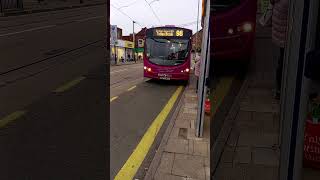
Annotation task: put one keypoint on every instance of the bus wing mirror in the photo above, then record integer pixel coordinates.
(312, 65)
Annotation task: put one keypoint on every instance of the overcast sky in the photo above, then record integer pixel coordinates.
(167, 12)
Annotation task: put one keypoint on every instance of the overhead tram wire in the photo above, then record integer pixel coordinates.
(154, 13)
(128, 4)
(126, 15)
(187, 24)
(153, 1)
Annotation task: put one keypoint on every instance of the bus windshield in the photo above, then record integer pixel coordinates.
(224, 4)
(169, 52)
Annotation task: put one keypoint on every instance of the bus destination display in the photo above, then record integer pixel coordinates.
(168, 32)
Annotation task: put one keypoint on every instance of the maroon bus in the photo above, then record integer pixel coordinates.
(232, 28)
(167, 53)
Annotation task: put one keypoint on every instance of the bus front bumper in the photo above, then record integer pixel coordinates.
(163, 76)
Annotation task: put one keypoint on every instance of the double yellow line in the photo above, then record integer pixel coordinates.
(132, 165)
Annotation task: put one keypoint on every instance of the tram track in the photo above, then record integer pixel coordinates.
(54, 62)
(44, 15)
(44, 20)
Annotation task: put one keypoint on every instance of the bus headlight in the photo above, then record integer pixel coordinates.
(187, 70)
(149, 69)
(247, 27)
(230, 31)
(144, 67)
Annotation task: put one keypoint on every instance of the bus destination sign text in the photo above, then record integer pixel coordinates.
(168, 32)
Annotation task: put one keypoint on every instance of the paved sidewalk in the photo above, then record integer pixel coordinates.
(182, 155)
(248, 145)
(33, 6)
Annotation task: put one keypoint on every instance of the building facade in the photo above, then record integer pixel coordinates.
(124, 47)
(196, 40)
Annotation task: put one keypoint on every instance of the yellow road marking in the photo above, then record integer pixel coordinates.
(11, 117)
(132, 165)
(132, 88)
(114, 98)
(69, 85)
(221, 91)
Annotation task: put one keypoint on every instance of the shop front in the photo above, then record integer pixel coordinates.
(128, 50)
(138, 53)
(118, 51)
(139, 49)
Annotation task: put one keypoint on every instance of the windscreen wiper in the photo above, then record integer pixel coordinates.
(171, 40)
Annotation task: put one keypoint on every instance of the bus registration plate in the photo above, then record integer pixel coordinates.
(164, 76)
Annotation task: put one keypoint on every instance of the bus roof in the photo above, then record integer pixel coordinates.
(175, 27)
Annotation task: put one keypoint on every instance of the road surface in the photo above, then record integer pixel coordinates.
(53, 95)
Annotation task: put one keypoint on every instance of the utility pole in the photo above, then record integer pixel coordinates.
(115, 54)
(134, 43)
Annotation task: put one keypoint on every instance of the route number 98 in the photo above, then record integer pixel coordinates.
(179, 33)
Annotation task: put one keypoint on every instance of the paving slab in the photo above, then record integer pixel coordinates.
(200, 148)
(175, 132)
(188, 165)
(263, 173)
(264, 156)
(259, 107)
(231, 173)
(166, 163)
(233, 138)
(258, 140)
(189, 111)
(182, 123)
(177, 146)
(164, 176)
(228, 154)
(242, 155)
(191, 147)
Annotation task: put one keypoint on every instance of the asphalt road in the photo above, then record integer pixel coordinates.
(138, 103)
(53, 101)
(124, 77)
(39, 53)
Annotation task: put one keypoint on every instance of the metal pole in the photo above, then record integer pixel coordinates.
(197, 25)
(133, 38)
(115, 54)
(205, 54)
